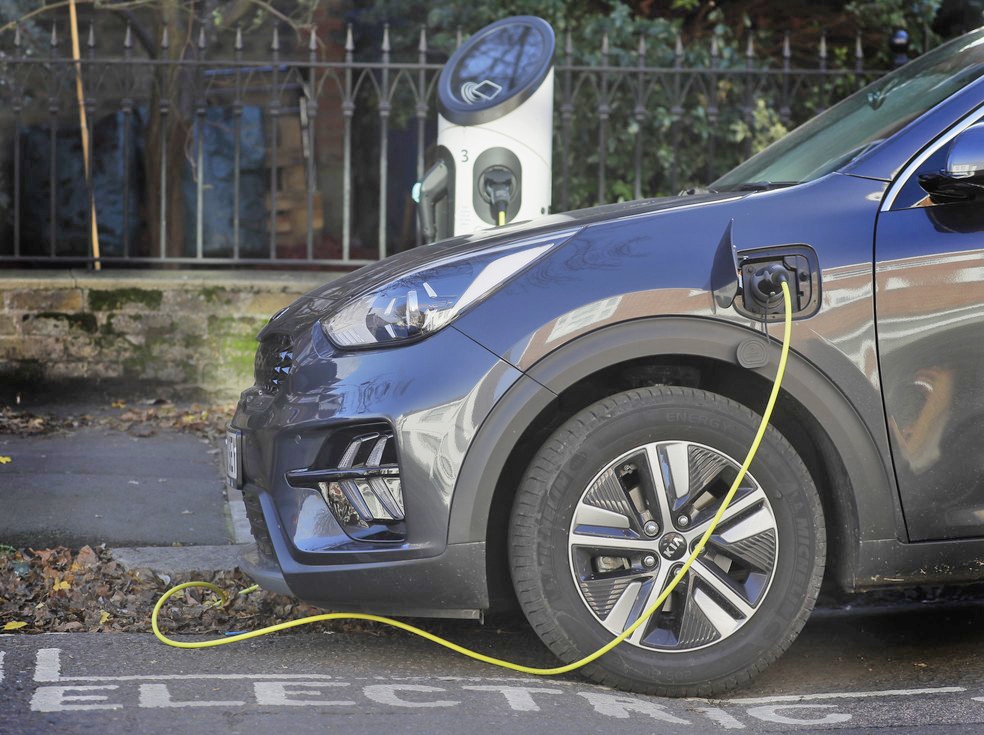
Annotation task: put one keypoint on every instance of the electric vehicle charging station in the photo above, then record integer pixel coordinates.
(495, 132)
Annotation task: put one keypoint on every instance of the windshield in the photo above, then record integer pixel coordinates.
(845, 131)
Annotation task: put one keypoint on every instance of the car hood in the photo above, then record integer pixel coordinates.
(317, 303)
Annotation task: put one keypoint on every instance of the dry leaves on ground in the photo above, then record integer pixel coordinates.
(58, 590)
(24, 423)
(61, 590)
(206, 421)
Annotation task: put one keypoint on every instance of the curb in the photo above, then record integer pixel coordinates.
(180, 559)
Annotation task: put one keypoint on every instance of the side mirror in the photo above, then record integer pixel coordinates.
(963, 178)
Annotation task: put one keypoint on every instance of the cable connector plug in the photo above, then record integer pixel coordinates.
(765, 287)
(500, 186)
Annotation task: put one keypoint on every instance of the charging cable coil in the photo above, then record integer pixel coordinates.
(535, 671)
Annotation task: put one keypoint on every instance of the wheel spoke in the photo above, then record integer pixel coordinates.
(754, 524)
(607, 494)
(615, 539)
(703, 611)
(603, 592)
(619, 615)
(654, 487)
(592, 515)
(705, 467)
(747, 497)
(709, 577)
(645, 601)
(675, 464)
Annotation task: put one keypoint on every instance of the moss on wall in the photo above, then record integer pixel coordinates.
(114, 299)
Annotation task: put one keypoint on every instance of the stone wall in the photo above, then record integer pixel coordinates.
(193, 329)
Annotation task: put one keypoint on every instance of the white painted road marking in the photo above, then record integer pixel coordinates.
(157, 696)
(58, 699)
(770, 713)
(519, 699)
(278, 693)
(47, 665)
(722, 718)
(621, 707)
(56, 692)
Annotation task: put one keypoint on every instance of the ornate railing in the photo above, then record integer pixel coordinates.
(205, 157)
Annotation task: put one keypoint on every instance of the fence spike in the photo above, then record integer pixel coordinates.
(457, 40)
(714, 47)
(54, 35)
(17, 39)
(275, 43)
(422, 46)
(165, 43)
(313, 40)
(201, 38)
(641, 50)
(128, 37)
(91, 40)
(678, 47)
(750, 47)
(604, 43)
(823, 45)
(386, 38)
(349, 43)
(569, 43)
(787, 52)
(858, 50)
(239, 37)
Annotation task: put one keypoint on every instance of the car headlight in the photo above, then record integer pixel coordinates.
(424, 300)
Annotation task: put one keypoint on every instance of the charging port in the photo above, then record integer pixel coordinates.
(763, 270)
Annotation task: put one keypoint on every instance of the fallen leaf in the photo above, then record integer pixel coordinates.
(61, 585)
(87, 557)
(104, 617)
(5, 460)
(118, 404)
(16, 625)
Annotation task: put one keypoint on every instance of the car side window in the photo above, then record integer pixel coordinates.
(912, 194)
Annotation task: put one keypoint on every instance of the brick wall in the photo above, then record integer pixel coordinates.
(193, 329)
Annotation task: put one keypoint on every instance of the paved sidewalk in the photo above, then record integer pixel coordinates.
(105, 487)
(159, 501)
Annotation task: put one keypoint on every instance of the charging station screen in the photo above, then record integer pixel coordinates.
(500, 64)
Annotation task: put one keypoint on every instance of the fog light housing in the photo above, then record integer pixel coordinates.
(363, 489)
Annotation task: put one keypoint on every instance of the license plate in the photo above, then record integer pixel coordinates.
(233, 457)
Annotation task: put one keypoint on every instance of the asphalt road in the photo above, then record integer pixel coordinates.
(910, 672)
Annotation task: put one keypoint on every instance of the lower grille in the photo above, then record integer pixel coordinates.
(258, 526)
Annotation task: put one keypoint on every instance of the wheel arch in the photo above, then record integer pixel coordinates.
(812, 414)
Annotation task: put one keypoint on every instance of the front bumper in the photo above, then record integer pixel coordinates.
(433, 396)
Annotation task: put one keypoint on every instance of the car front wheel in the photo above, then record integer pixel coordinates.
(611, 506)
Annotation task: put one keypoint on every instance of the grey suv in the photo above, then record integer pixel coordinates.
(548, 414)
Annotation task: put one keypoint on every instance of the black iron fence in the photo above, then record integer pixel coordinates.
(308, 157)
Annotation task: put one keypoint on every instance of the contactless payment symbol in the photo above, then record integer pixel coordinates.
(475, 93)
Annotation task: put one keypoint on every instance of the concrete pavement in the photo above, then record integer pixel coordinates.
(158, 501)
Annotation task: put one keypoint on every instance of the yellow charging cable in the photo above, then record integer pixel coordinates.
(766, 415)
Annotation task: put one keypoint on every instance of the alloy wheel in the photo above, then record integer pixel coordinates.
(639, 519)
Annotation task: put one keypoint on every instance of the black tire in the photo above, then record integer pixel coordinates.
(541, 551)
